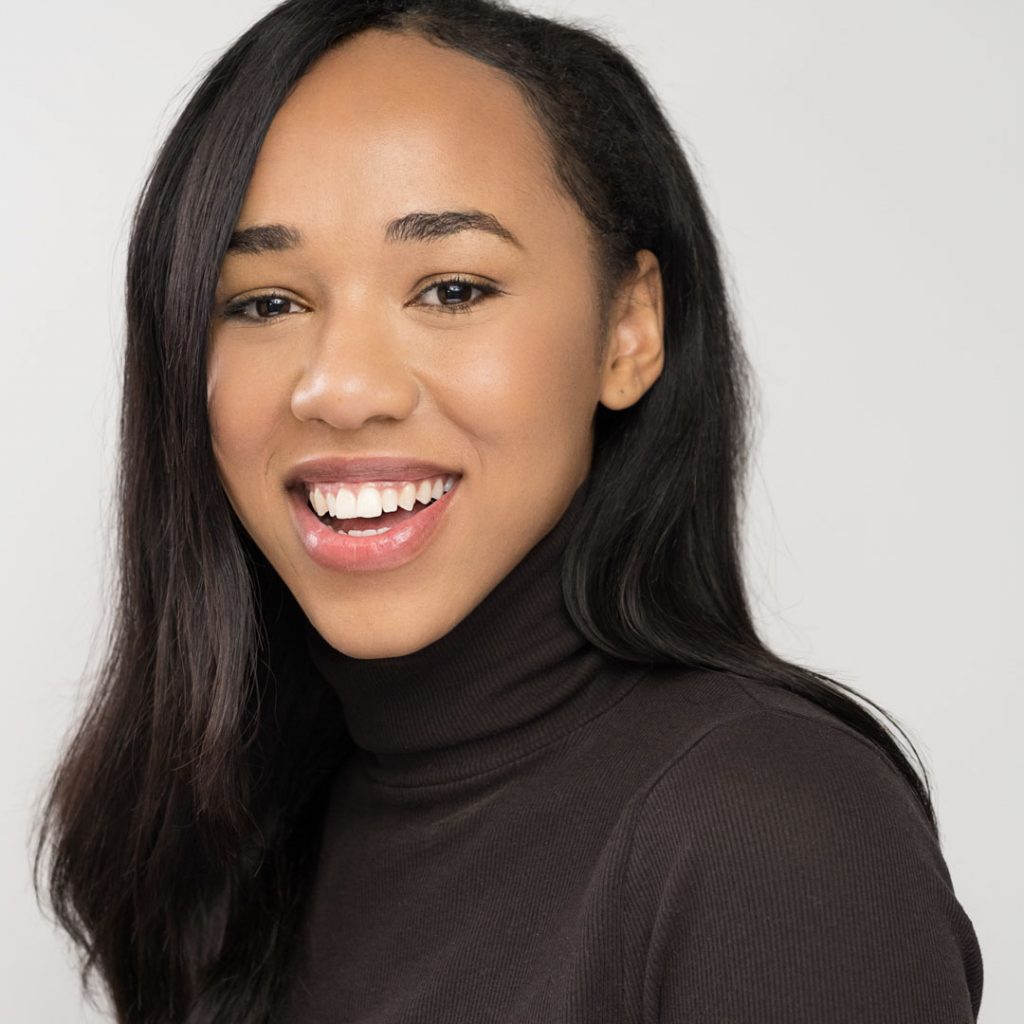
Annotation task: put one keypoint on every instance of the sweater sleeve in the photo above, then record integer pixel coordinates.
(782, 872)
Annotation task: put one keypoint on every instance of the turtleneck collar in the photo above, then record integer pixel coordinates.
(511, 677)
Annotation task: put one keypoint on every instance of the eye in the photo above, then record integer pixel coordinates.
(454, 294)
(261, 307)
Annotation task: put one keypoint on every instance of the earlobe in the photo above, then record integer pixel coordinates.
(635, 346)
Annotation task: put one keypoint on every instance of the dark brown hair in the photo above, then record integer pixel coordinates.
(183, 818)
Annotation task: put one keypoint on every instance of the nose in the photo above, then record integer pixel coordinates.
(355, 373)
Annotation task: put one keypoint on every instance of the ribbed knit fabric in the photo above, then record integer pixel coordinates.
(531, 832)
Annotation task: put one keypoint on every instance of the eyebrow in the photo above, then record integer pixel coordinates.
(422, 227)
(419, 226)
(264, 238)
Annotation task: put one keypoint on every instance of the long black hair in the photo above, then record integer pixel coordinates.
(183, 816)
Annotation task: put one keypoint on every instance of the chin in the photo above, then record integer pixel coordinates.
(393, 642)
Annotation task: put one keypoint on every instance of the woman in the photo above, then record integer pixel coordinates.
(433, 692)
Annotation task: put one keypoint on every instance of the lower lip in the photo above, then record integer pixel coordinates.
(389, 550)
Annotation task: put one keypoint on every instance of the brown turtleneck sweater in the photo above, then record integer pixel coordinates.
(531, 832)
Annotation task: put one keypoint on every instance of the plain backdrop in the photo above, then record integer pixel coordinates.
(863, 166)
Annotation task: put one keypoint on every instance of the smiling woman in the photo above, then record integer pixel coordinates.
(358, 351)
(443, 695)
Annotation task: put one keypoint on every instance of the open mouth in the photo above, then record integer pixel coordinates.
(359, 527)
(369, 509)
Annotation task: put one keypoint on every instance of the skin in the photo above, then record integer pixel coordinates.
(363, 361)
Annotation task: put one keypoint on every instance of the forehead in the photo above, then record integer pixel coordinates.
(390, 121)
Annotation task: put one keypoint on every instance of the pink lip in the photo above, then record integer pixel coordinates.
(389, 550)
(381, 468)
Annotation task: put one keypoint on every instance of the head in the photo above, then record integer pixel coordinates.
(427, 302)
(340, 127)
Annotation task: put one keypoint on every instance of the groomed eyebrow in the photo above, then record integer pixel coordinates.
(418, 226)
(423, 227)
(264, 238)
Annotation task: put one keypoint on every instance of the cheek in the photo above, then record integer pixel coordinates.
(532, 384)
(244, 401)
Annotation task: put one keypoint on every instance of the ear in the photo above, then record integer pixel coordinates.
(635, 346)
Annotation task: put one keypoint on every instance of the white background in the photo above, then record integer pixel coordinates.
(863, 164)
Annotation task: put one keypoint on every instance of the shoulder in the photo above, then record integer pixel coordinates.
(716, 733)
(770, 765)
(777, 858)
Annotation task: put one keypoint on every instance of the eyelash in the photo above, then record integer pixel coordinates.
(459, 307)
(236, 310)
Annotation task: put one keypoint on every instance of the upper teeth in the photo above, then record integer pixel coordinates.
(367, 501)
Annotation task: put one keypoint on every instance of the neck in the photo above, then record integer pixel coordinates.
(508, 679)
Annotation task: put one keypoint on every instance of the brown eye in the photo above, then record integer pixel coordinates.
(271, 305)
(454, 291)
(454, 294)
(262, 307)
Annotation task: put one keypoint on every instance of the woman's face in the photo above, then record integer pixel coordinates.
(341, 338)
